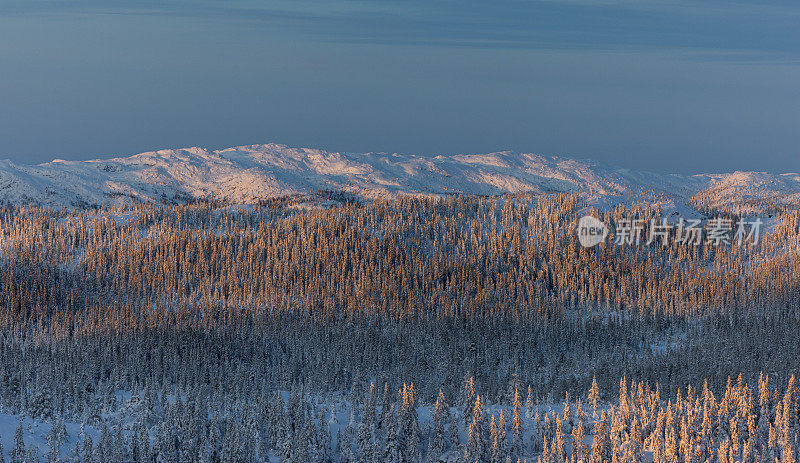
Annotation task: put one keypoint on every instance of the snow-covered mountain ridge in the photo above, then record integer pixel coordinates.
(248, 174)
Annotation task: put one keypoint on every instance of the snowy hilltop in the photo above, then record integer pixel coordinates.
(249, 174)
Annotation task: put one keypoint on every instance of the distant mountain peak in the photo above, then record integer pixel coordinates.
(251, 173)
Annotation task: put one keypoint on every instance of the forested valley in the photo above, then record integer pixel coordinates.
(458, 328)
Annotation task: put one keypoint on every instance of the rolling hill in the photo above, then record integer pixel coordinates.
(249, 174)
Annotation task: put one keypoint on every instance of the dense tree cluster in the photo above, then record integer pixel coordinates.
(743, 423)
(411, 258)
(206, 312)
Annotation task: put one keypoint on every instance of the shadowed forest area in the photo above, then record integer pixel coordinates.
(266, 321)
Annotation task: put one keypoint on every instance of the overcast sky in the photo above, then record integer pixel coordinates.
(667, 86)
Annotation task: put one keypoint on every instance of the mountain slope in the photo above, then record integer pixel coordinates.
(248, 174)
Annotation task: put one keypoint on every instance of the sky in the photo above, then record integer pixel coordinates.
(659, 85)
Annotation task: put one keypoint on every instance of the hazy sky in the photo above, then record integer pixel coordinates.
(670, 86)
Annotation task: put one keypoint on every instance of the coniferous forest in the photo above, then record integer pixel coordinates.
(456, 329)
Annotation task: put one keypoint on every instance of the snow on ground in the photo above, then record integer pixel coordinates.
(248, 174)
(34, 435)
(35, 432)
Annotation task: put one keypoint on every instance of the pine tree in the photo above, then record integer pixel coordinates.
(494, 452)
(436, 441)
(285, 449)
(502, 443)
(453, 439)
(232, 447)
(578, 446)
(474, 449)
(412, 446)
(392, 449)
(18, 452)
(517, 428)
(529, 406)
(87, 449)
(594, 396)
(364, 444)
(104, 448)
(468, 400)
(121, 446)
(53, 444)
(558, 446)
